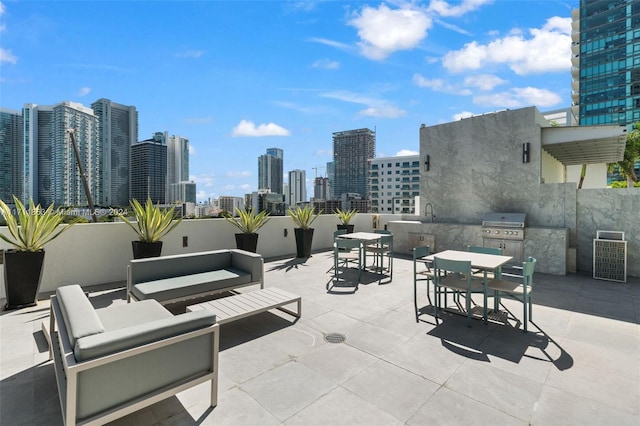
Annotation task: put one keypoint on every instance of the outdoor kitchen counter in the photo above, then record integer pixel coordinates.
(548, 245)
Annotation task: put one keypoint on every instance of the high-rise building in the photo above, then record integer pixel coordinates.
(149, 170)
(177, 159)
(394, 184)
(51, 172)
(117, 133)
(182, 192)
(606, 62)
(331, 175)
(352, 150)
(270, 171)
(11, 155)
(320, 188)
(297, 187)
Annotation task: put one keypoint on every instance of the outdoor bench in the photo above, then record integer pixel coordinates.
(175, 278)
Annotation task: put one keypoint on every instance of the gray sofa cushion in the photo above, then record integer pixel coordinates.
(80, 317)
(189, 285)
(128, 314)
(118, 340)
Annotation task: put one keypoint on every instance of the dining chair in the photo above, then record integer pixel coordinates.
(479, 273)
(421, 274)
(454, 277)
(381, 249)
(346, 251)
(518, 291)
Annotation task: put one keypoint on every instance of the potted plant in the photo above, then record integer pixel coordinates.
(28, 233)
(151, 224)
(303, 217)
(248, 222)
(345, 217)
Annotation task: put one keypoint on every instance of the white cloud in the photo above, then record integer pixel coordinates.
(84, 91)
(326, 64)
(7, 56)
(374, 107)
(2, 9)
(383, 112)
(439, 85)
(248, 128)
(383, 31)
(332, 43)
(519, 97)
(484, 81)
(443, 8)
(406, 152)
(463, 114)
(190, 54)
(242, 174)
(205, 180)
(547, 50)
(192, 149)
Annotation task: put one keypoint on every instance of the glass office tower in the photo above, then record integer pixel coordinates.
(606, 62)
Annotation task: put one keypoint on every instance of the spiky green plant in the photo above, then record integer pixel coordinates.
(303, 217)
(345, 216)
(248, 222)
(152, 223)
(34, 227)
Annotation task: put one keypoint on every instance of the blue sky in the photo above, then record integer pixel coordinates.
(238, 77)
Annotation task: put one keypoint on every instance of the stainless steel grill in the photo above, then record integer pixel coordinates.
(505, 231)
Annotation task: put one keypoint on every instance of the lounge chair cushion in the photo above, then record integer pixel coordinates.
(80, 318)
(118, 340)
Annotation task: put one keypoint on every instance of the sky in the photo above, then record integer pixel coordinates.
(239, 77)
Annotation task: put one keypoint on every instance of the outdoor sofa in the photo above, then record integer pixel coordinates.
(112, 361)
(175, 278)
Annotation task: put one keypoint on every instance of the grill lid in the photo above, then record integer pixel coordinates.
(504, 220)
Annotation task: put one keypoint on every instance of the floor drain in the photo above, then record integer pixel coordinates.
(335, 338)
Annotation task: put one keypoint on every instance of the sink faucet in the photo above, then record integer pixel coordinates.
(428, 211)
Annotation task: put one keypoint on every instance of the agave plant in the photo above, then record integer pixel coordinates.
(34, 226)
(345, 216)
(152, 223)
(303, 217)
(248, 222)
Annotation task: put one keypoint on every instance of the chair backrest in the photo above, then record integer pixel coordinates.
(346, 243)
(387, 240)
(381, 231)
(485, 250)
(339, 232)
(445, 267)
(420, 251)
(527, 271)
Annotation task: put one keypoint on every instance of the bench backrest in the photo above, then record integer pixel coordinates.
(154, 268)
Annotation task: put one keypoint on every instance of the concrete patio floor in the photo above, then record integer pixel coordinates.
(579, 364)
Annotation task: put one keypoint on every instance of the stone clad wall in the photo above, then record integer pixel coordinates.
(608, 210)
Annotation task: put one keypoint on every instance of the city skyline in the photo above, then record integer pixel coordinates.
(235, 84)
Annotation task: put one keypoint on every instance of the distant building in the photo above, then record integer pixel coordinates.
(12, 155)
(606, 62)
(394, 184)
(263, 199)
(321, 188)
(177, 162)
(50, 170)
(149, 170)
(352, 150)
(118, 131)
(331, 175)
(183, 192)
(270, 171)
(297, 187)
(230, 204)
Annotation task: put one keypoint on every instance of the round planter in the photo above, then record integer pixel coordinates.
(348, 228)
(304, 239)
(247, 242)
(142, 250)
(22, 273)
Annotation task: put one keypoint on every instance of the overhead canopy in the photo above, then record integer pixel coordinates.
(585, 144)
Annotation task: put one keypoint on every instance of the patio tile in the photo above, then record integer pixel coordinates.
(447, 407)
(337, 362)
(287, 389)
(499, 389)
(342, 408)
(374, 340)
(399, 391)
(556, 407)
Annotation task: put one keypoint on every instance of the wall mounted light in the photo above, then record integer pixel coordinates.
(525, 152)
(426, 163)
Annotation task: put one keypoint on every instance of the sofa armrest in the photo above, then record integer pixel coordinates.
(110, 342)
(78, 313)
(249, 262)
